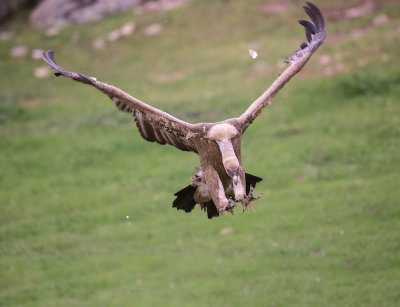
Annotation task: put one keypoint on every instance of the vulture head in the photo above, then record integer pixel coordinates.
(222, 134)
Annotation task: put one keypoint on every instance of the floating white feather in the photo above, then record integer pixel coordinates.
(253, 53)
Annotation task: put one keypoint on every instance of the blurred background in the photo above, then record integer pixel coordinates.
(85, 202)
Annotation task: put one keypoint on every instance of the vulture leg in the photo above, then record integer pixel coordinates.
(217, 191)
(239, 188)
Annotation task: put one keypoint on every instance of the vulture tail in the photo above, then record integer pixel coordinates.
(184, 198)
(211, 210)
(251, 180)
(184, 201)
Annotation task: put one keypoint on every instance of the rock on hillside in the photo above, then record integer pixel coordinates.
(55, 13)
(8, 6)
(62, 12)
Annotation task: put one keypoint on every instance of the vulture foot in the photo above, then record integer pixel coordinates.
(227, 207)
(246, 202)
(231, 205)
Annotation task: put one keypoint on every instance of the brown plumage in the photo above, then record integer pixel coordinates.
(221, 182)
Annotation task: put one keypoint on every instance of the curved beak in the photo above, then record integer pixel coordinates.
(235, 178)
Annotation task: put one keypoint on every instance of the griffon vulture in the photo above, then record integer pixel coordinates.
(221, 182)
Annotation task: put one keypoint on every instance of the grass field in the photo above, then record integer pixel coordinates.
(326, 231)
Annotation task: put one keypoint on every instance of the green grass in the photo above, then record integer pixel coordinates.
(326, 231)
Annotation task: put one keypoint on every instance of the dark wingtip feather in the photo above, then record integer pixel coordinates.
(316, 16)
(315, 32)
(304, 45)
(48, 57)
(318, 13)
(308, 25)
(311, 15)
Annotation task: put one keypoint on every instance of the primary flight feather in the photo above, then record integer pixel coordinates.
(221, 181)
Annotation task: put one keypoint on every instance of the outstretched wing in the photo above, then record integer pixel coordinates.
(154, 125)
(315, 33)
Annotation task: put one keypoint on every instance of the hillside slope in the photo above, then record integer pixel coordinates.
(85, 202)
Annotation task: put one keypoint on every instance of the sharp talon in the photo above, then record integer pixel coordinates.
(230, 210)
(259, 196)
(246, 202)
(251, 207)
(231, 204)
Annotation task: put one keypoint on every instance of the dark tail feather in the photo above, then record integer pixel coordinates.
(184, 199)
(211, 210)
(251, 180)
